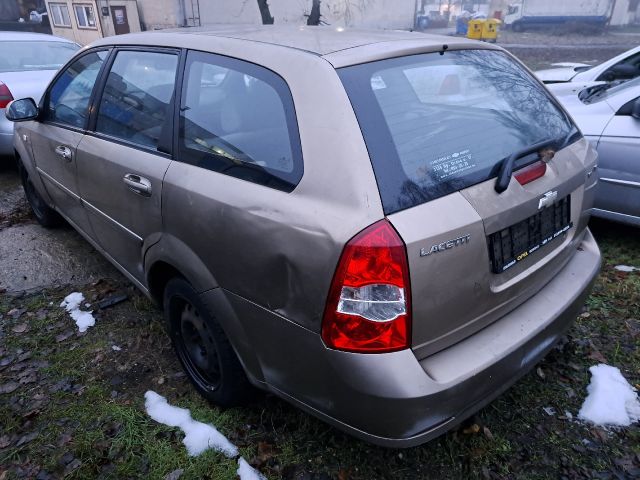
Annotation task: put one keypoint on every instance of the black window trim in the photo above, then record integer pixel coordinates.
(99, 89)
(45, 98)
(291, 116)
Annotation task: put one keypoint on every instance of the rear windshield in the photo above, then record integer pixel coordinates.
(34, 55)
(437, 123)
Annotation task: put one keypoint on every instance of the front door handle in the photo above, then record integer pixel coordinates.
(64, 152)
(138, 184)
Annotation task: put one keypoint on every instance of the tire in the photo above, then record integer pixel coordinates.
(203, 348)
(46, 216)
(517, 27)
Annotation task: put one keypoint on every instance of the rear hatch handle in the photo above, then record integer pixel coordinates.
(506, 168)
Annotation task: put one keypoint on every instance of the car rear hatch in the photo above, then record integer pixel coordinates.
(439, 129)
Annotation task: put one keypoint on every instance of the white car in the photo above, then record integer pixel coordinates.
(609, 116)
(623, 67)
(28, 61)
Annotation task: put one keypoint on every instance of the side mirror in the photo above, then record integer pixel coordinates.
(22, 110)
(635, 110)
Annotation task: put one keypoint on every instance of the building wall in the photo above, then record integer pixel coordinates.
(158, 14)
(350, 13)
(107, 20)
(104, 23)
(77, 34)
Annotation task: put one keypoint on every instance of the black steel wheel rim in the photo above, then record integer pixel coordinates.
(36, 202)
(197, 348)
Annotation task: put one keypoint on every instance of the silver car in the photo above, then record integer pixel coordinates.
(386, 229)
(621, 67)
(28, 62)
(609, 116)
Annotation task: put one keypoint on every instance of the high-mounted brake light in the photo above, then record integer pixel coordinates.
(531, 172)
(368, 309)
(5, 95)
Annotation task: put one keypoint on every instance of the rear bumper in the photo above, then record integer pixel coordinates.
(395, 400)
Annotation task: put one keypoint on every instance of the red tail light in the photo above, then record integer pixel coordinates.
(369, 309)
(5, 95)
(531, 172)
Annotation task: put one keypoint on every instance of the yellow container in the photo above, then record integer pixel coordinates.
(490, 30)
(475, 29)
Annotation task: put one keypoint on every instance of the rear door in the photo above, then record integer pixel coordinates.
(619, 163)
(122, 161)
(438, 128)
(54, 140)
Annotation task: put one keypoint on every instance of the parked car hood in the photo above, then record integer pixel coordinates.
(591, 118)
(27, 84)
(563, 72)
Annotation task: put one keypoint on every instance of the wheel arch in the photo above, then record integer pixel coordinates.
(170, 257)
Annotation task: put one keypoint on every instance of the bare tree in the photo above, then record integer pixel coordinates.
(267, 19)
(314, 16)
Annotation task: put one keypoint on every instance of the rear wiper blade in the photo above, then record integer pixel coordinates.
(506, 168)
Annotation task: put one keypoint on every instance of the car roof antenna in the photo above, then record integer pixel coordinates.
(444, 47)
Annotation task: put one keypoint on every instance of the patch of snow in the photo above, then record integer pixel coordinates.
(626, 268)
(83, 320)
(247, 472)
(611, 401)
(115, 348)
(198, 436)
(549, 411)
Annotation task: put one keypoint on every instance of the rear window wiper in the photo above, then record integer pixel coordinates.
(506, 168)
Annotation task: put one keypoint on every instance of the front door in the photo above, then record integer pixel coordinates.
(120, 20)
(122, 164)
(55, 139)
(619, 165)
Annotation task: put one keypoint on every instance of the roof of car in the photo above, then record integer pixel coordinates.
(9, 36)
(317, 40)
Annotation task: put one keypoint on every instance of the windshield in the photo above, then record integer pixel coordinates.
(435, 124)
(34, 55)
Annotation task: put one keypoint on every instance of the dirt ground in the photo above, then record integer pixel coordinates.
(72, 406)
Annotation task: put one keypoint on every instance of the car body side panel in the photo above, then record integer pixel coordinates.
(121, 219)
(280, 249)
(356, 392)
(59, 174)
(619, 188)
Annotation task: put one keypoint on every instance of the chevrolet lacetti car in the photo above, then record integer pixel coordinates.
(28, 62)
(386, 229)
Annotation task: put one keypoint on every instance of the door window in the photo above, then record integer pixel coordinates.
(68, 99)
(137, 97)
(237, 118)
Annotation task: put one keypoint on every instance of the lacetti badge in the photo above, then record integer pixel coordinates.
(449, 244)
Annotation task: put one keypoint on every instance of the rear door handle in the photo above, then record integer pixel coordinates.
(138, 184)
(64, 152)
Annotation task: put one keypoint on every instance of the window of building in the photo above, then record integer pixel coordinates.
(85, 16)
(60, 14)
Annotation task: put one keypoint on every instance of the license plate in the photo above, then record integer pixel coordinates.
(517, 242)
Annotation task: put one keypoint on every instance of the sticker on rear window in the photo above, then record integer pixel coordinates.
(453, 164)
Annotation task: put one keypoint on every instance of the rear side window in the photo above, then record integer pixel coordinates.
(238, 119)
(435, 124)
(137, 97)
